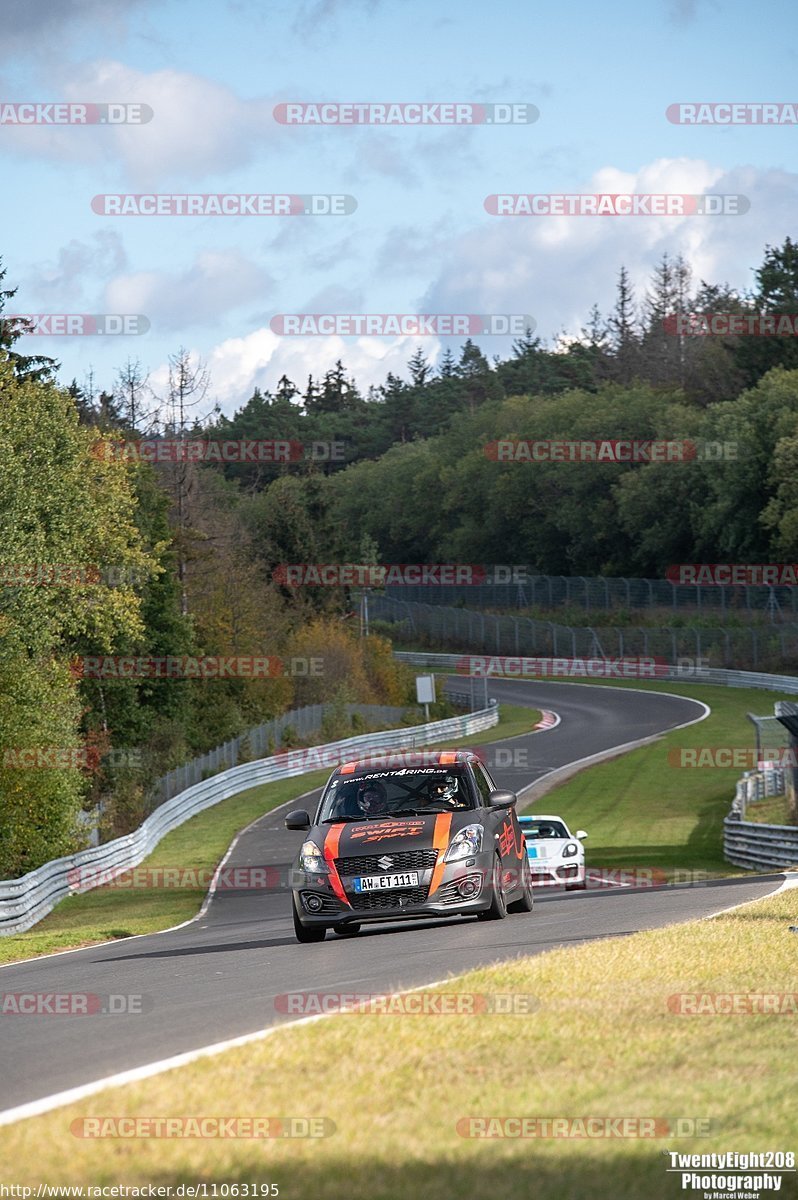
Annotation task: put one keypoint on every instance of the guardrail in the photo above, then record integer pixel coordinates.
(757, 785)
(255, 742)
(664, 671)
(759, 847)
(24, 901)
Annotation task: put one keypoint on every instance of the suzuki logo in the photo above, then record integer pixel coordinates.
(385, 862)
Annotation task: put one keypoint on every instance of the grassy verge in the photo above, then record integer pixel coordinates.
(197, 846)
(775, 810)
(603, 1043)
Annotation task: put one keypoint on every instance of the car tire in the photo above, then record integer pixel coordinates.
(498, 900)
(526, 900)
(346, 929)
(307, 933)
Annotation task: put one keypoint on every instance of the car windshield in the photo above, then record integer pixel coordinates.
(407, 792)
(536, 830)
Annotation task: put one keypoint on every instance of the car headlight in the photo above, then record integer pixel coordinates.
(570, 850)
(311, 860)
(466, 842)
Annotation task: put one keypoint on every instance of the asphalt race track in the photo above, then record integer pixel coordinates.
(218, 977)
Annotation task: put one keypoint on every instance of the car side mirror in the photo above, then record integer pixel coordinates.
(298, 819)
(580, 833)
(502, 799)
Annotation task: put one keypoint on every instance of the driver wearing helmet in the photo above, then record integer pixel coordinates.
(445, 791)
(372, 798)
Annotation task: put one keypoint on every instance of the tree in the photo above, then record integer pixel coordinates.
(37, 367)
(662, 347)
(776, 293)
(623, 331)
(62, 507)
(419, 367)
(130, 389)
(188, 387)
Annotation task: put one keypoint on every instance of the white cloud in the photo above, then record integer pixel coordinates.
(238, 365)
(79, 265)
(217, 281)
(555, 268)
(199, 127)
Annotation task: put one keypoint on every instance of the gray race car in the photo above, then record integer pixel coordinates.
(393, 842)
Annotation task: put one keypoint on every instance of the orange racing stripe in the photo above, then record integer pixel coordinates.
(440, 840)
(330, 852)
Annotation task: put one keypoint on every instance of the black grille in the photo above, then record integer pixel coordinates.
(368, 901)
(403, 860)
(449, 893)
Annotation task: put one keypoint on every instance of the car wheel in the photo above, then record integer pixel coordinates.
(346, 929)
(527, 899)
(498, 901)
(307, 933)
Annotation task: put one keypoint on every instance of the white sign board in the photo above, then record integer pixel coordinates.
(425, 689)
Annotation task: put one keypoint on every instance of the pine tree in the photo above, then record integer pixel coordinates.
(37, 367)
(623, 331)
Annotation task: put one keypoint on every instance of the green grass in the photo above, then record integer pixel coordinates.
(602, 1042)
(199, 845)
(774, 810)
(639, 810)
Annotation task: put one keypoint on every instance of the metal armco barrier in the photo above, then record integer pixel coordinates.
(745, 843)
(711, 675)
(758, 847)
(24, 901)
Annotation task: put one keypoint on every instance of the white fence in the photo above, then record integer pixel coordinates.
(24, 901)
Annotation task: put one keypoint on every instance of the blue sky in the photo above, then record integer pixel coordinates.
(420, 240)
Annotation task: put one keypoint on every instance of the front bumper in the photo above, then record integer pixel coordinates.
(554, 872)
(463, 887)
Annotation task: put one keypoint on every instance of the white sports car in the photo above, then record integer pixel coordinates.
(555, 854)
